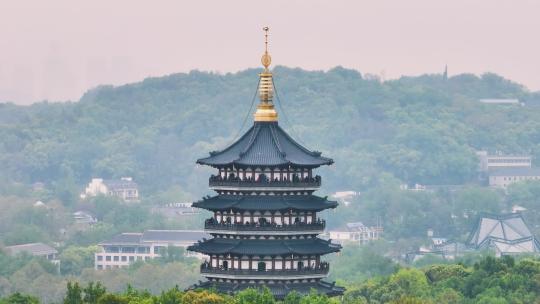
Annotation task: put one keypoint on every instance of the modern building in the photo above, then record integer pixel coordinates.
(489, 162)
(124, 188)
(506, 234)
(356, 233)
(127, 248)
(265, 220)
(35, 249)
(501, 178)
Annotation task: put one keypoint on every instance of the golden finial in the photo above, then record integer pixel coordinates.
(265, 110)
(266, 58)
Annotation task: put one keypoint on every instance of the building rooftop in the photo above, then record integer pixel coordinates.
(268, 202)
(36, 249)
(527, 244)
(265, 144)
(515, 171)
(265, 247)
(173, 235)
(507, 231)
(156, 236)
(119, 184)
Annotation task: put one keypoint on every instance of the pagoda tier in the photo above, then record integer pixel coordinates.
(278, 289)
(265, 203)
(265, 145)
(271, 247)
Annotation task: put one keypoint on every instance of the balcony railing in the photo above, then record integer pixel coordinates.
(212, 224)
(295, 182)
(323, 269)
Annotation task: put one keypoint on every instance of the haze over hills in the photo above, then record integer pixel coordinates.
(418, 129)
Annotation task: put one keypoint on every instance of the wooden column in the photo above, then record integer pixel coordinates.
(290, 217)
(250, 262)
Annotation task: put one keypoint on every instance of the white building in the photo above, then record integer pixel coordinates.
(490, 162)
(501, 178)
(355, 233)
(124, 188)
(126, 248)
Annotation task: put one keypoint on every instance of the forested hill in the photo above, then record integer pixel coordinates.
(418, 129)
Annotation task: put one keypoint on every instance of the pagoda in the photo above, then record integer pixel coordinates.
(265, 217)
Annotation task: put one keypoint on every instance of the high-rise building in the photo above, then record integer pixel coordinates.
(265, 222)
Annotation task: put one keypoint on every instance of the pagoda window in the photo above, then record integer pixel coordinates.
(278, 264)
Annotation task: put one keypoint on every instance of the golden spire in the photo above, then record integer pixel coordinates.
(265, 109)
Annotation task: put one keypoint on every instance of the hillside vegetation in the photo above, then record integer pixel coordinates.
(417, 129)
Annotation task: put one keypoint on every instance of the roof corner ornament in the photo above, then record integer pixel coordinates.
(265, 110)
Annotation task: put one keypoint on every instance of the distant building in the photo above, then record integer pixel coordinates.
(176, 210)
(501, 178)
(500, 101)
(126, 248)
(345, 197)
(414, 256)
(35, 249)
(507, 234)
(490, 162)
(84, 218)
(124, 188)
(415, 187)
(356, 233)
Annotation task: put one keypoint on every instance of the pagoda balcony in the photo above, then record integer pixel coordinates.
(211, 225)
(286, 274)
(235, 183)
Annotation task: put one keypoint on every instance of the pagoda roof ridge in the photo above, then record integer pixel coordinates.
(265, 202)
(265, 144)
(265, 247)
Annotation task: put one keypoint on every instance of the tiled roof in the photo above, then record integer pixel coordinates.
(163, 236)
(279, 290)
(265, 202)
(173, 236)
(265, 247)
(127, 238)
(265, 144)
(32, 248)
(119, 184)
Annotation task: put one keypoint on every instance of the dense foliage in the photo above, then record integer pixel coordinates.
(490, 281)
(418, 129)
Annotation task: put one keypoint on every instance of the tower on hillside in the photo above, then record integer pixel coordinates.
(265, 217)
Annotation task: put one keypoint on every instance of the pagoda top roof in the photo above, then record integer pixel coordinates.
(265, 144)
(265, 247)
(265, 203)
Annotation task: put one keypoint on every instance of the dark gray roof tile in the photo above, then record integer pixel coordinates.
(265, 144)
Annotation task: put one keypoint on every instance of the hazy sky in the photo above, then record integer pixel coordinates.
(58, 49)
